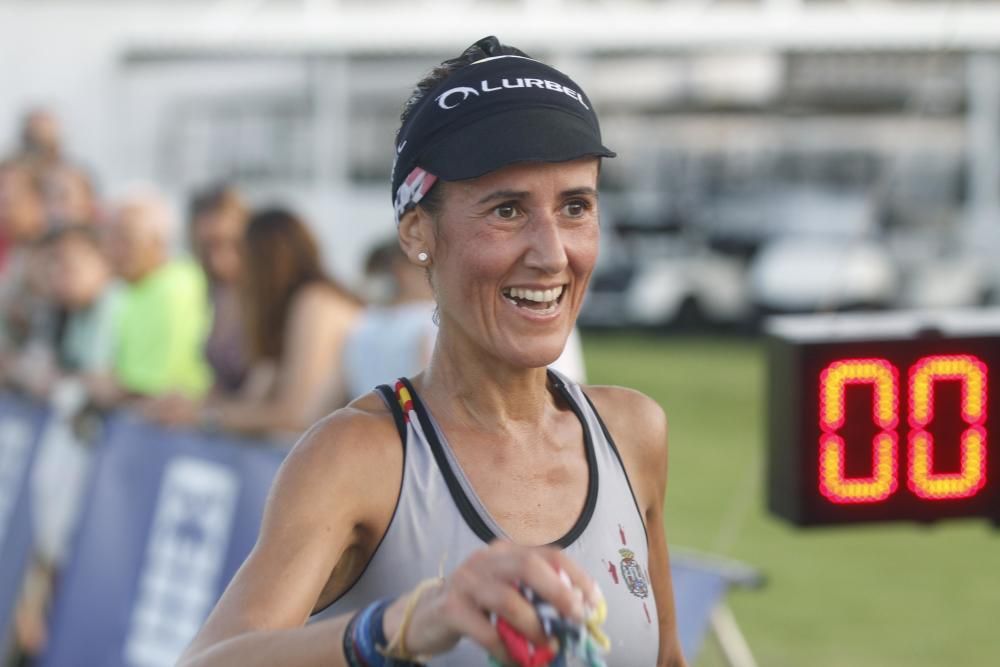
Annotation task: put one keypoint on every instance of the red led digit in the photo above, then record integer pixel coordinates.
(884, 378)
(971, 477)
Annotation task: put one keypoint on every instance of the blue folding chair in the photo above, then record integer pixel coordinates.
(700, 586)
(21, 424)
(169, 519)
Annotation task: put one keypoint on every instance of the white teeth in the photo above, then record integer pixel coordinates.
(539, 296)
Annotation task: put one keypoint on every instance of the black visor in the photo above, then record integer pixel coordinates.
(495, 112)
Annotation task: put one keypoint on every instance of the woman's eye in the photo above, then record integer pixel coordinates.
(506, 211)
(576, 209)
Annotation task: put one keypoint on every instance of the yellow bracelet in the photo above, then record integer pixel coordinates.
(397, 647)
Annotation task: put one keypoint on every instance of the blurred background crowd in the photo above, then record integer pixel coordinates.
(244, 330)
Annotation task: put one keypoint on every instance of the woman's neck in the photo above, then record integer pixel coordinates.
(478, 390)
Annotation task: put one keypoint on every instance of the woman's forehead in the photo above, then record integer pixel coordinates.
(531, 178)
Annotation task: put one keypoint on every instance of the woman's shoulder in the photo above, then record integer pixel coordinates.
(638, 425)
(627, 408)
(352, 446)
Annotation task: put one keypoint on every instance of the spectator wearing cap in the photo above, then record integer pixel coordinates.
(163, 319)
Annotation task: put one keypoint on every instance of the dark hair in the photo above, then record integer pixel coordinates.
(220, 197)
(382, 256)
(487, 47)
(282, 257)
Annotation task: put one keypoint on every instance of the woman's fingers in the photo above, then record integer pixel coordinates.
(577, 577)
(486, 585)
(503, 599)
(552, 575)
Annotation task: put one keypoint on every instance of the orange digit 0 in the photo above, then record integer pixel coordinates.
(833, 483)
(967, 482)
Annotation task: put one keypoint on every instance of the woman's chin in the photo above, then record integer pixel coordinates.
(539, 356)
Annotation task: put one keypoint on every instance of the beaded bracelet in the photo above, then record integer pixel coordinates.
(364, 639)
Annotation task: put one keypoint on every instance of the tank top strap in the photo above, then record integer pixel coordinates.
(391, 401)
(594, 420)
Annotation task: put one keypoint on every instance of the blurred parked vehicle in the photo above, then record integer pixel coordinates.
(799, 274)
(826, 254)
(664, 276)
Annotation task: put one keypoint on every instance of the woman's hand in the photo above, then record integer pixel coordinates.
(485, 584)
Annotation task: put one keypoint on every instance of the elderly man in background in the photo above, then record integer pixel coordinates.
(164, 314)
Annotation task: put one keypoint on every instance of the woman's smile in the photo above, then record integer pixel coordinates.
(535, 302)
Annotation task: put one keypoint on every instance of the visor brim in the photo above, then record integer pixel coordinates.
(522, 135)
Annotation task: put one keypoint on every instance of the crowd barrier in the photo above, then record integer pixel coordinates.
(168, 518)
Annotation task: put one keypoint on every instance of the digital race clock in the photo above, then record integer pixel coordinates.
(879, 417)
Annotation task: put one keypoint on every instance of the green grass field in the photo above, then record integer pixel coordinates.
(881, 595)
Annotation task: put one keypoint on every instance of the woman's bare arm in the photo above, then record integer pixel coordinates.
(326, 491)
(639, 428)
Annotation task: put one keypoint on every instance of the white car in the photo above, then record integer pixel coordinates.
(817, 273)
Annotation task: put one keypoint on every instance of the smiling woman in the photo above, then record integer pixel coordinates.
(423, 523)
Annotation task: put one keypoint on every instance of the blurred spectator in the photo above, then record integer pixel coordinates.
(83, 285)
(217, 220)
(79, 284)
(41, 140)
(67, 191)
(68, 197)
(163, 318)
(298, 319)
(22, 223)
(395, 336)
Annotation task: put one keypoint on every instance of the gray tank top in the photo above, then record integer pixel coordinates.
(439, 520)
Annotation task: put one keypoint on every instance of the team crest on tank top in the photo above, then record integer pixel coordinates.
(625, 570)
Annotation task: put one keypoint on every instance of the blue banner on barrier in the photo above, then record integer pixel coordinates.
(170, 518)
(21, 424)
(697, 590)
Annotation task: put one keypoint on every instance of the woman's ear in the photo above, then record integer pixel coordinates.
(416, 236)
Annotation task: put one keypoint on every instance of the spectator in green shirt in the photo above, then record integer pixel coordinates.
(164, 315)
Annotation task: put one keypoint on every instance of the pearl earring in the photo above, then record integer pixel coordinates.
(422, 256)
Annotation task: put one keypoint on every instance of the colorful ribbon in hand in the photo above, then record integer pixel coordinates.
(579, 644)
